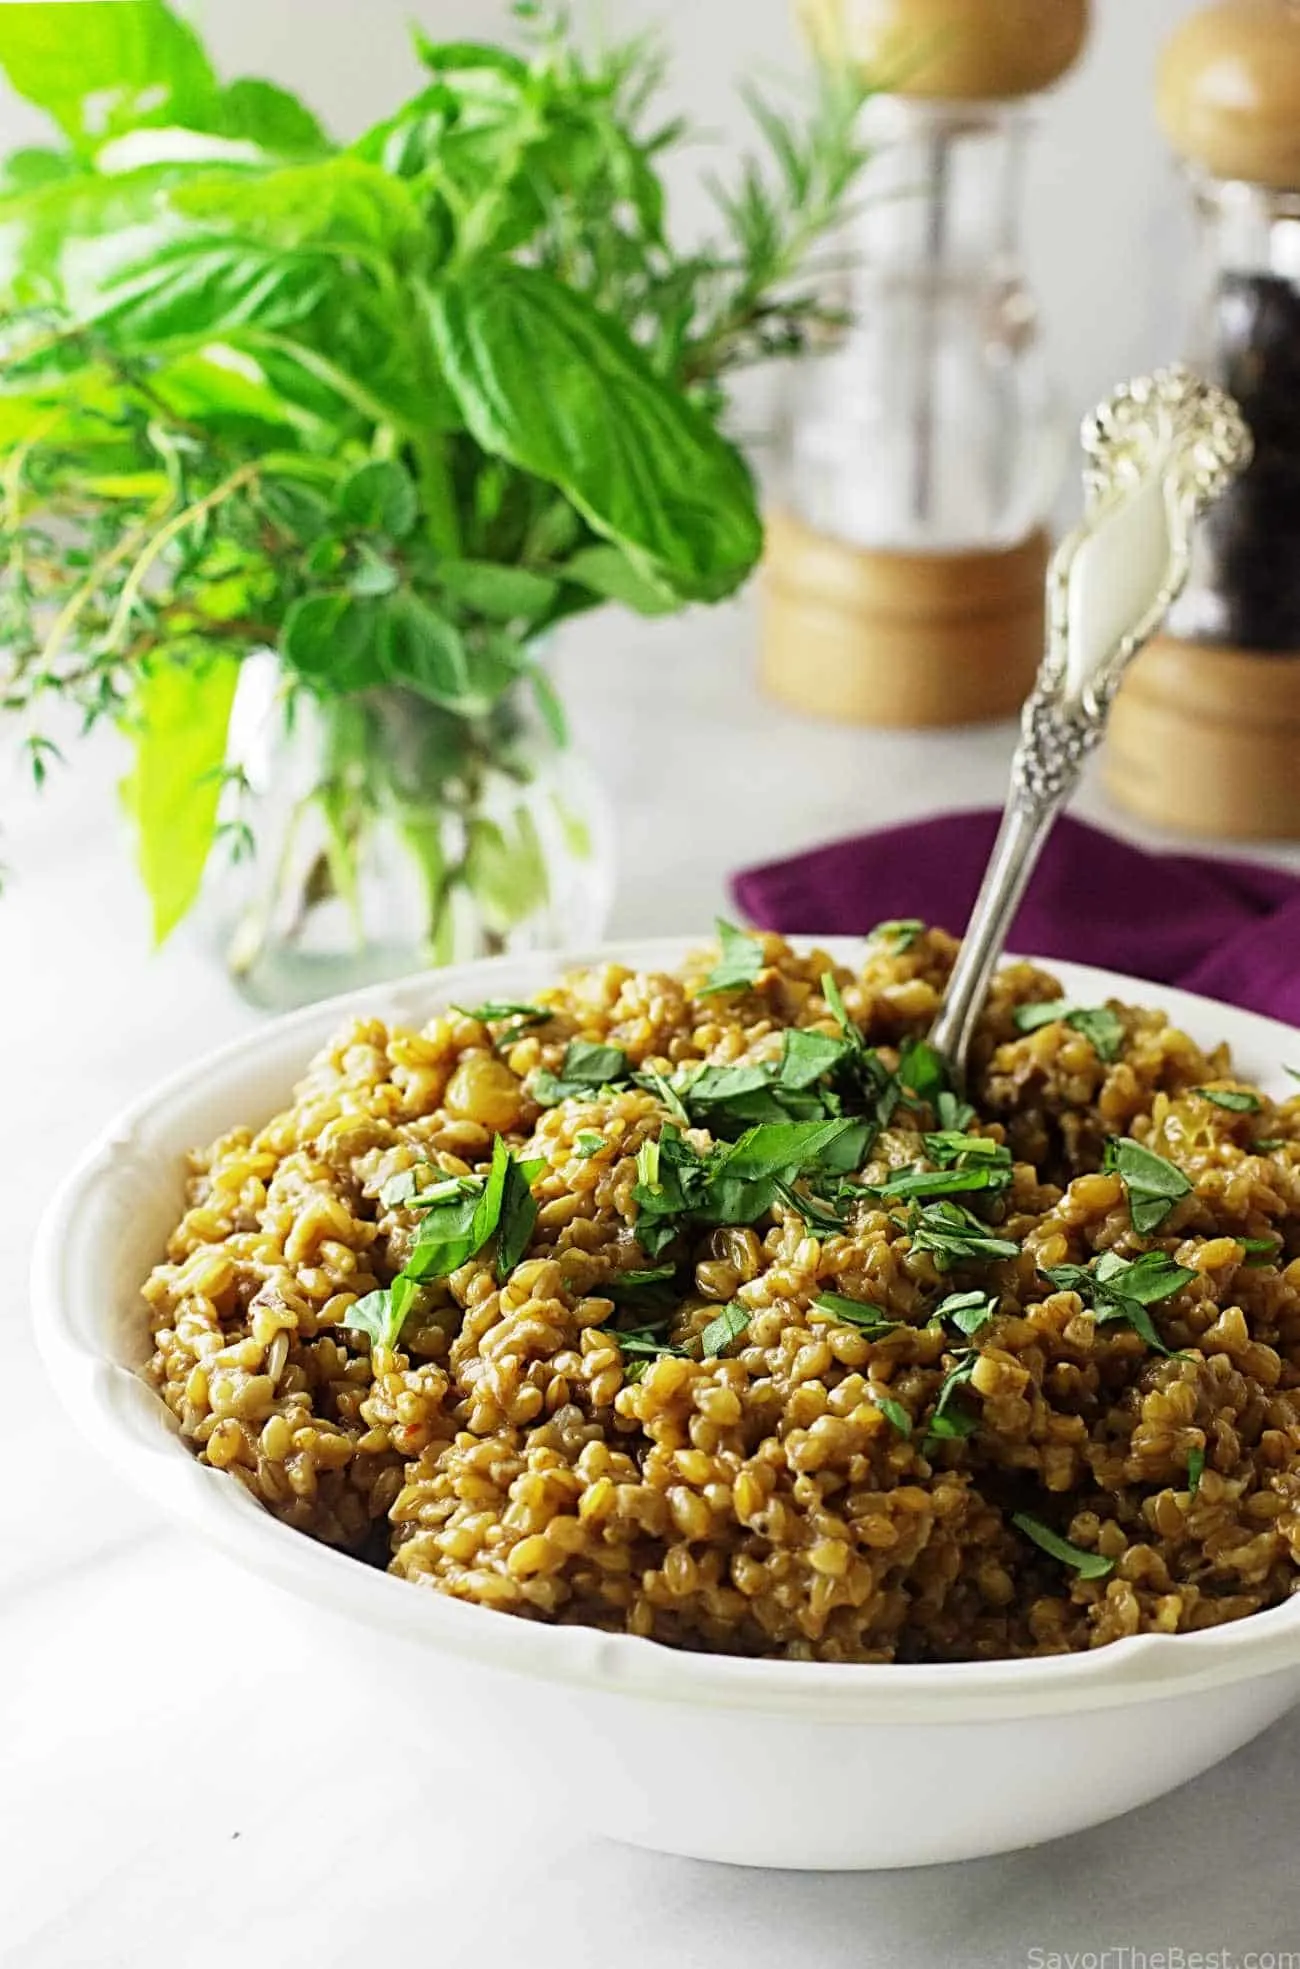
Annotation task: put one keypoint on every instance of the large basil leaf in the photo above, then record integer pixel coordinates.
(341, 202)
(106, 66)
(177, 722)
(192, 287)
(547, 381)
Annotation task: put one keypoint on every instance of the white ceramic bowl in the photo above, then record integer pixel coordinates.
(767, 1763)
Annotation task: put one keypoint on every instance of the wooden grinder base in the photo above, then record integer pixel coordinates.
(1207, 740)
(875, 638)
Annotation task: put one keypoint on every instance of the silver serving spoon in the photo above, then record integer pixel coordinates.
(1160, 451)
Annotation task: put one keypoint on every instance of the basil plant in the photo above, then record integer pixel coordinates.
(392, 410)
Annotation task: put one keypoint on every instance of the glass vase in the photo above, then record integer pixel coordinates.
(377, 834)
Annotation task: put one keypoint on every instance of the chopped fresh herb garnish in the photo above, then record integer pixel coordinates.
(952, 1235)
(740, 963)
(954, 1115)
(645, 1342)
(895, 1412)
(587, 1143)
(729, 1324)
(1195, 1470)
(947, 1423)
(655, 1282)
(1237, 1100)
(922, 1070)
(791, 1088)
(807, 1057)
(1152, 1185)
(735, 1182)
(531, 1015)
(945, 1182)
(1259, 1250)
(1265, 1144)
(1118, 1289)
(586, 1067)
(1293, 1071)
(820, 1215)
(381, 1315)
(1088, 1565)
(857, 1313)
(835, 999)
(900, 934)
(1103, 1028)
(518, 1212)
(400, 1188)
(653, 1079)
(952, 1148)
(968, 1311)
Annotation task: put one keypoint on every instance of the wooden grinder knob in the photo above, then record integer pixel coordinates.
(1229, 91)
(954, 50)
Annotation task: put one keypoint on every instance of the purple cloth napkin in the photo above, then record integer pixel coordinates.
(1228, 929)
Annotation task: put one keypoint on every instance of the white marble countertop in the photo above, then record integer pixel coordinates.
(171, 1792)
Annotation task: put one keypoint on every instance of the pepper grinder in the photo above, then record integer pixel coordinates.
(1205, 735)
(920, 455)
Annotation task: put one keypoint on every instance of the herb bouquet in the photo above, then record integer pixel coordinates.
(306, 449)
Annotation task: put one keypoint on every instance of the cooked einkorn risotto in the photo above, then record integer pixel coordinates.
(699, 1307)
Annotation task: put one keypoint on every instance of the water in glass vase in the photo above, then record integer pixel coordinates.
(377, 834)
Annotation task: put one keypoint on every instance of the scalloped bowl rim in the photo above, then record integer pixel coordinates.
(130, 1425)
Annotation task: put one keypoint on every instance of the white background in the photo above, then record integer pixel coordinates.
(175, 1792)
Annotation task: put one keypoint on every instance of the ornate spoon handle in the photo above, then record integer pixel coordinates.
(1155, 455)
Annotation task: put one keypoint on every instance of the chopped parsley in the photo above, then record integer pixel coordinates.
(586, 1067)
(1102, 1027)
(1195, 1470)
(1088, 1565)
(1153, 1185)
(952, 1234)
(740, 962)
(1237, 1100)
(729, 1324)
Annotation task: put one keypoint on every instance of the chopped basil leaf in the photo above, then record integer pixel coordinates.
(518, 1212)
(1152, 1185)
(1236, 1099)
(857, 1313)
(807, 1057)
(968, 1311)
(1102, 1027)
(902, 933)
(730, 1323)
(952, 1234)
(944, 1182)
(954, 1115)
(895, 1411)
(382, 1315)
(645, 1342)
(1260, 1250)
(792, 1146)
(587, 1143)
(639, 1285)
(586, 1067)
(531, 1015)
(952, 1148)
(740, 962)
(818, 1214)
(1265, 1144)
(1195, 1470)
(947, 1423)
(839, 1011)
(922, 1070)
(1088, 1565)
(400, 1188)
(1118, 1289)
(653, 1079)
(735, 1182)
